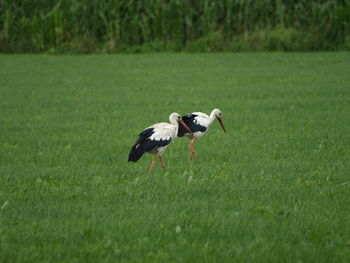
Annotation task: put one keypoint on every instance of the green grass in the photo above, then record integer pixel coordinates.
(276, 188)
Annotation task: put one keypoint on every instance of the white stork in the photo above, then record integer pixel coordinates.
(199, 123)
(156, 138)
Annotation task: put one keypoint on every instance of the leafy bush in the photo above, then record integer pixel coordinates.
(173, 25)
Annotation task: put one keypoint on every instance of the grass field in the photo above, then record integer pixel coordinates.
(276, 188)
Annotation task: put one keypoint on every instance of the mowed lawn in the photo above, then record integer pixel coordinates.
(275, 188)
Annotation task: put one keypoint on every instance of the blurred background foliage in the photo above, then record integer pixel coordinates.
(86, 26)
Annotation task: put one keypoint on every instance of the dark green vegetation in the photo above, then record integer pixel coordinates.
(86, 26)
(276, 188)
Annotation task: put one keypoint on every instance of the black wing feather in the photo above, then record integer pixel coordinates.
(145, 144)
(189, 120)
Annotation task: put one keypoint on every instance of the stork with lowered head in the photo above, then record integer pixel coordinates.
(198, 123)
(156, 138)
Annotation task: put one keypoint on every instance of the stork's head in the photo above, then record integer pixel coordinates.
(218, 115)
(175, 119)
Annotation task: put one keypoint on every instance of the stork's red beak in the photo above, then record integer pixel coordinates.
(221, 123)
(185, 126)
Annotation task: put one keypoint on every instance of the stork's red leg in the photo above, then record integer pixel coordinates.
(193, 152)
(162, 162)
(152, 163)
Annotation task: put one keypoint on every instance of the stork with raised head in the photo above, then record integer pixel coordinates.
(156, 138)
(199, 123)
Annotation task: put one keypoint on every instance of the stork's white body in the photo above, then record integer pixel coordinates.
(155, 139)
(203, 120)
(163, 132)
(199, 123)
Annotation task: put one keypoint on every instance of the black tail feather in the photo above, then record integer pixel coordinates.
(181, 131)
(136, 153)
(139, 149)
(188, 120)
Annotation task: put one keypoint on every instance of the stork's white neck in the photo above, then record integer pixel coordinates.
(174, 122)
(212, 117)
(176, 125)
